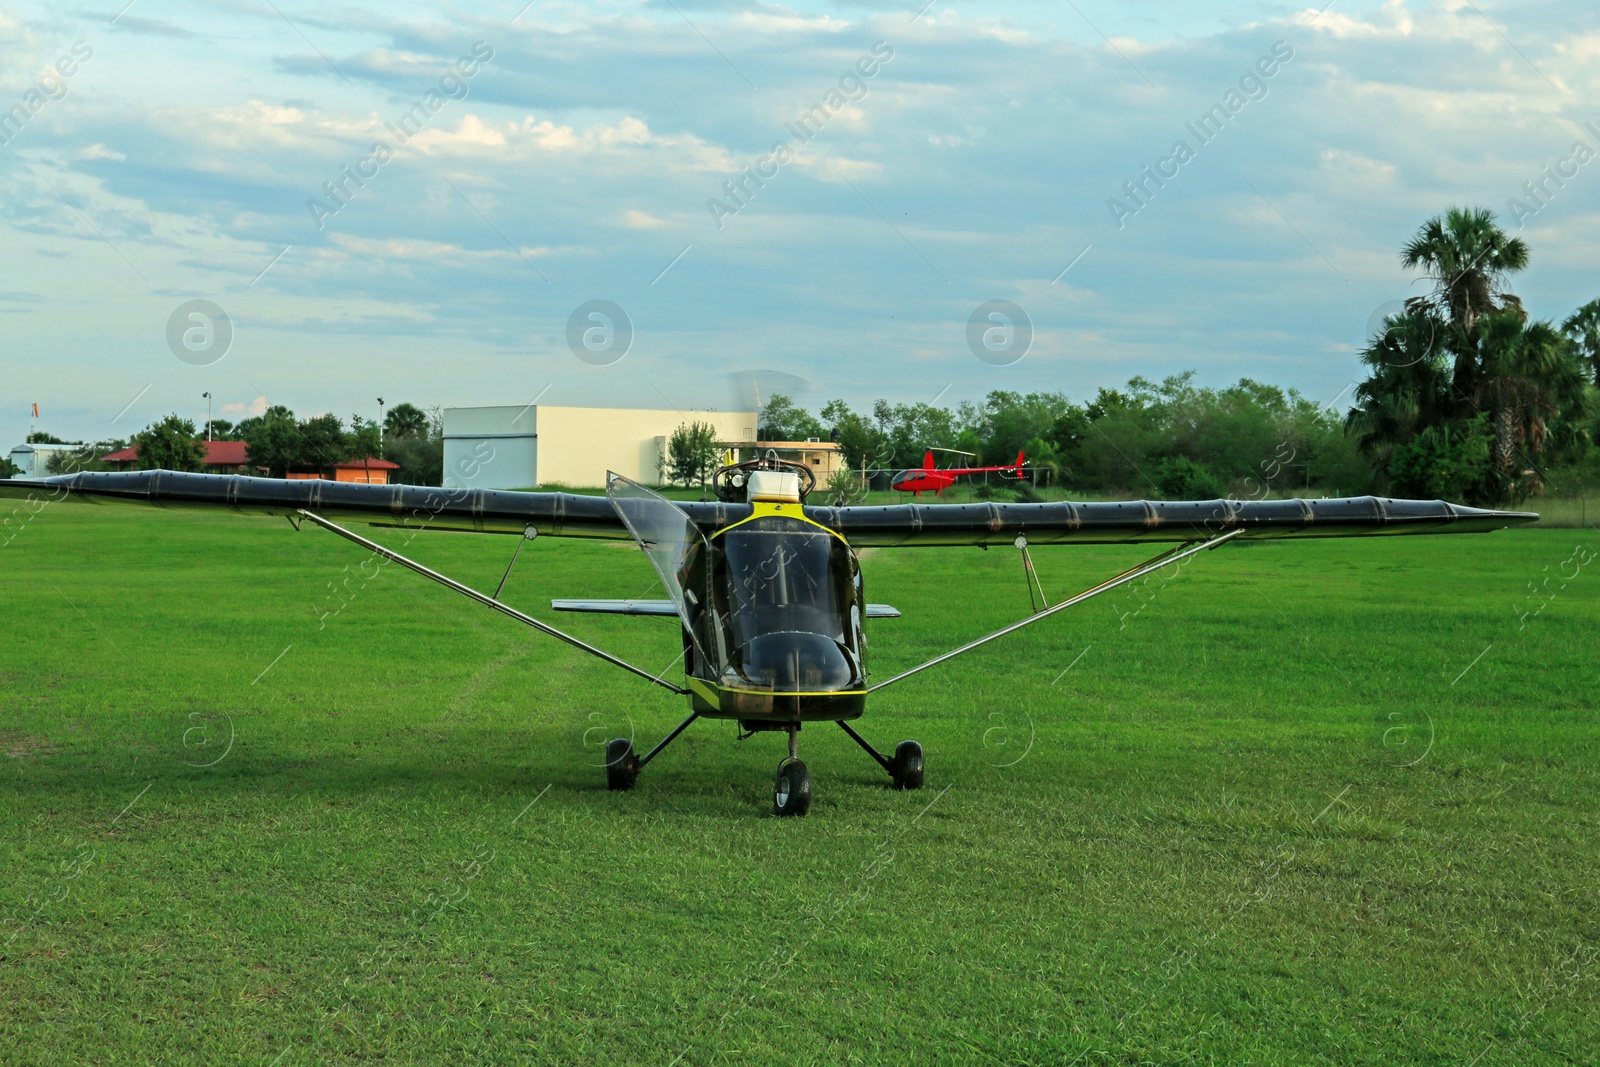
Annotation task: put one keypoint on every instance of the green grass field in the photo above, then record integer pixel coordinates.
(1318, 803)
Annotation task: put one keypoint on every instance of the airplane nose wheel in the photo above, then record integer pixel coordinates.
(791, 793)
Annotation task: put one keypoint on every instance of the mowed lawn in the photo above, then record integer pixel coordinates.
(1325, 802)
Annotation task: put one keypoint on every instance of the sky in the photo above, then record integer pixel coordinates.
(424, 202)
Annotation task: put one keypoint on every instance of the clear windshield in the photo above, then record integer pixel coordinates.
(784, 575)
(786, 595)
(671, 542)
(772, 603)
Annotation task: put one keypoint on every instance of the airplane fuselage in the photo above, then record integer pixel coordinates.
(773, 629)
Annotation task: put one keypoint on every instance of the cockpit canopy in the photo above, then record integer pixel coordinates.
(776, 607)
(770, 604)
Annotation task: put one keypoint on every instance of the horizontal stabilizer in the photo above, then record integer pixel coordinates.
(618, 607)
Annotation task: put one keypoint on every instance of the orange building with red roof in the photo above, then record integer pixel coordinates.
(369, 471)
(231, 457)
(222, 457)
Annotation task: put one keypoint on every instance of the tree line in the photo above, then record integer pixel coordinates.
(278, 442)
(1465, 398)
(1468, 397)
(1165, 439)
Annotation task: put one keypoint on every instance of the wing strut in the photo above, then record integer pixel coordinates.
(1030, 577)
(528, 534)
(484, 599)
(1171, 556)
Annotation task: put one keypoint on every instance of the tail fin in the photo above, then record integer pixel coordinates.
(927, 461)
(1018, 467)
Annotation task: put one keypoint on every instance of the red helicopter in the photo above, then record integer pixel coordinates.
(932, 479)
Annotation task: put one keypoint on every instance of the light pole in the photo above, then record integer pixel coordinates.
(380, 427)
(208, 415)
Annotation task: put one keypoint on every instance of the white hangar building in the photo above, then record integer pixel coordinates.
(521, 446)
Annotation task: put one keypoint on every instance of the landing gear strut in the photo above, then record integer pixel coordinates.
(623, 766)
(791, 793)
(905, 768)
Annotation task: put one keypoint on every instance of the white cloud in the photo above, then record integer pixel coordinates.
(627, 138)
(396, 249)
(258, 406)
(14, 33)
(1351, 165)
(1397, 22)
(1583, 49)
(778, 23)
(837, 168)
(469, 134)
(642, 220)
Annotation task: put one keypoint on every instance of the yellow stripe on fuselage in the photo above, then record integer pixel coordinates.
(786, 693)
(767, 510)
(710, 691)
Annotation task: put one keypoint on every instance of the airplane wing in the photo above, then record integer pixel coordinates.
(1136, 521)
(575, 515)
(411, 506)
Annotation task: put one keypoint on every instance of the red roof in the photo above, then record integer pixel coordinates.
(366, 464)
(226, 454)
(218, 454)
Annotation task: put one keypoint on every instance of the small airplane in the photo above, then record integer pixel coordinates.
(767, 589)
(931, 478)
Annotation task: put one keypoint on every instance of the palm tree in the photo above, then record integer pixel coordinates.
(1468, 256)
(1583, 328)
(1531, 377)
(405, 420)
(1408, 390)
(1042, 456)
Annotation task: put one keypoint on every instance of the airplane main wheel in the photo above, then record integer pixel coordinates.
(907, 765)
(791, 793)
(622, 766)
